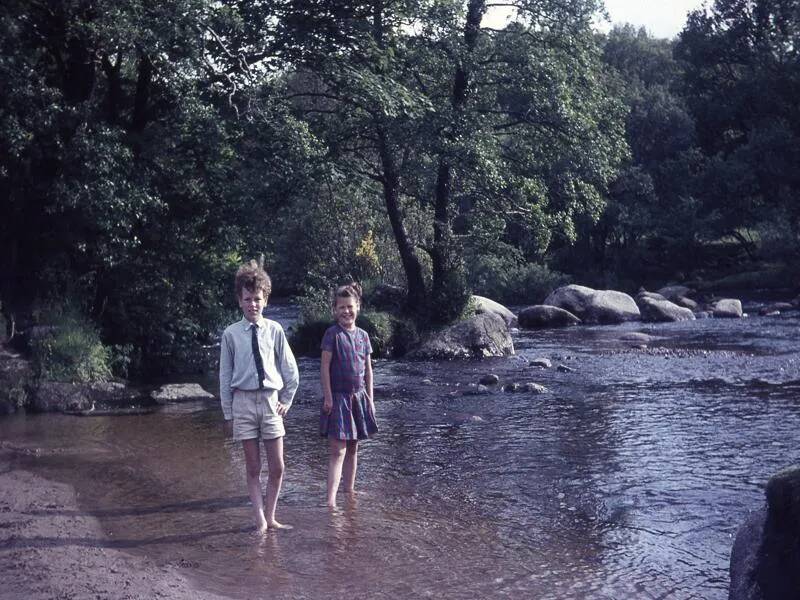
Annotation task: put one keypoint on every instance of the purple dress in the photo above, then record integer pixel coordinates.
(351, 417)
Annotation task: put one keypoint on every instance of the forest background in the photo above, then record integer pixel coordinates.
(148, 148)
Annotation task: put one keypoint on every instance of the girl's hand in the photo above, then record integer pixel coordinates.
(327, 405)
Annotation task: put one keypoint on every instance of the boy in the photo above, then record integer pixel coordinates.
(257, 381)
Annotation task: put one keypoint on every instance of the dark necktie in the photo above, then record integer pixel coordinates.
(257, 357)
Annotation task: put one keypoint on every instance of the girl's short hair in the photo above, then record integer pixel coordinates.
(349, 290)
(252, 278)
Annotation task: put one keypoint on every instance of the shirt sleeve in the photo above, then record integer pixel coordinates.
(367, 343)
(287, 367)
(329, 340)
(225, 375)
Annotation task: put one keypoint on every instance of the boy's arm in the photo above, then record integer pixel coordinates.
(288, 370)
(225, 375)
(325, 380)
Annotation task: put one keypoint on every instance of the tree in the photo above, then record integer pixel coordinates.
(139, 161)
(742, 81)
(448, 117)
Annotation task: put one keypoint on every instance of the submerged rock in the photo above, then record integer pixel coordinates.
(490, 379)
(542, 363)
(765, 560)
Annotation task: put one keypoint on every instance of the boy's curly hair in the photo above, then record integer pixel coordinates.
(252, 278)
(348, 290)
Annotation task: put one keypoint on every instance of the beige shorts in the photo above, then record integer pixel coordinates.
(254, 415)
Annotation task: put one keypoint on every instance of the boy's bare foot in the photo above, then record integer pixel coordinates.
(276, 525)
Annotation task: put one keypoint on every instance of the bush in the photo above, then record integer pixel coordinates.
(508, 281)
(70, 350)
(391, 336)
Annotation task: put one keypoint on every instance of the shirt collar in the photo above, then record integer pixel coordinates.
(248, 325)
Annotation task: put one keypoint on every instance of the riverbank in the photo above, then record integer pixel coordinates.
(50, 548)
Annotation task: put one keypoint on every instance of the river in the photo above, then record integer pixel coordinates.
(628, 478)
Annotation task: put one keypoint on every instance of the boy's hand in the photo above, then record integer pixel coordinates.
(327, 405)
(281, 409)
(227, 428)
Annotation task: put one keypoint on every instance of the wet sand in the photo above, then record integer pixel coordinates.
(49, 548)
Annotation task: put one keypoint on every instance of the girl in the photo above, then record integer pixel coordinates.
(348, 409)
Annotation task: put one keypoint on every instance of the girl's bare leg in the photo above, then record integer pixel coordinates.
(350, 466)
(335, 459)
(252, 460)
(275, 465)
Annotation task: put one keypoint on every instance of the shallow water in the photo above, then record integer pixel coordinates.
(627, 479)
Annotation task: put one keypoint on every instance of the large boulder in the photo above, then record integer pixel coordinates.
(546, 316)
(57, 396)
(656, 308)
(180, 392)
(673, 292)
(765, 560)
(485, 305)
(595, 306)
(727, 308)
(479, 336)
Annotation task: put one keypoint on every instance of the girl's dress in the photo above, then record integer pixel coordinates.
(351, 417)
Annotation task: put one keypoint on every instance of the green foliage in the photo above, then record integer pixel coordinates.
(390, 335)
(68, 348)
(510, 281)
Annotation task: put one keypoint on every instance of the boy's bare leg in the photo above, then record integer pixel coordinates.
(252, 460)
(275, 465)
(336, 454)
(350, 466)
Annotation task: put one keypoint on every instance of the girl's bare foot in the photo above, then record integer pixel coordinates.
(276, 525)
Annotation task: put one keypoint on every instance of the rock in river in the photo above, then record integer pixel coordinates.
(480, 336)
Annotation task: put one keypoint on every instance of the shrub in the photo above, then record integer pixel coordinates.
(510, 281)
(70, 350)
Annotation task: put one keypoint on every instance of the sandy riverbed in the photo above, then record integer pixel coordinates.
(49, 548)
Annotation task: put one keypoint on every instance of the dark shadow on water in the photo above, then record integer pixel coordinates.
(207, 505)
(50, 542)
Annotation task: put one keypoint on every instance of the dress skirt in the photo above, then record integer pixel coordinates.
(350, 418)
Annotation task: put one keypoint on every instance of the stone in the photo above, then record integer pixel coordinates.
(765, 560)
(595, 306)
(636, 337)
(480, 336)
(485, 305)
(57, 396)
(540, 316)
(490, 379)
(534, 388)
(477, 390)
(511, 387)
(565, 369)
(661, 310)
(542, 363)
(727, 308)
(674, 292)
(180, 392)
(775, 308)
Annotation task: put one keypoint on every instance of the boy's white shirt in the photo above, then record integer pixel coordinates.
(237, 369)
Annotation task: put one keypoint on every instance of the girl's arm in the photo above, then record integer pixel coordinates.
(368, 382)
(325, 380)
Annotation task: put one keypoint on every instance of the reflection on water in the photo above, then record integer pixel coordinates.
(627, 479)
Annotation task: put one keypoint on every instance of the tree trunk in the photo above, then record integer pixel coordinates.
(442, 258)
(391, 194)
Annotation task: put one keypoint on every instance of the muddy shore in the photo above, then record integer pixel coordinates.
(50, 548)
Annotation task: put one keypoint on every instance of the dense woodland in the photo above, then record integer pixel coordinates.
(147, 148)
